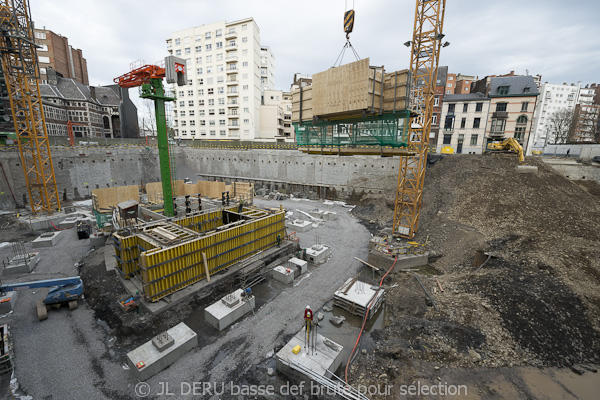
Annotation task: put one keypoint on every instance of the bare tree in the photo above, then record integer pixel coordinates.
(147, 118)
(560, 125)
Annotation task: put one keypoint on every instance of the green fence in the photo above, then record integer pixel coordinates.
(382, 130)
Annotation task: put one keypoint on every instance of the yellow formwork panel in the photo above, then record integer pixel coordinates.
(165, 271)
(127, 250)
(205, 222)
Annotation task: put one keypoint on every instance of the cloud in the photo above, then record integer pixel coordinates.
(557, 39)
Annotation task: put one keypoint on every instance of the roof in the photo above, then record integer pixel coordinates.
(465, 97)
(517, 86)
(70, 89)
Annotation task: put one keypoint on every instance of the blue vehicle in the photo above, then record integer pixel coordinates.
(63, 290)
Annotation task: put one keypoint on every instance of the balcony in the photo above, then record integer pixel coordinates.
(232, 93)
(231, 59)
(233, 116)
(231, 47)
(450, 113)
(231, 70)
(500, 114)
(232, 105)
(448, 129)
(230, 35)
(232, 82)
(496, 132)
(233, 126)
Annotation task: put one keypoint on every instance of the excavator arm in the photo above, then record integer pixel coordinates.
(509, 144)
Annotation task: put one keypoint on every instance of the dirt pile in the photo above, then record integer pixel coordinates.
(536, 302)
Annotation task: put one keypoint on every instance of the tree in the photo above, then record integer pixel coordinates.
(560, 125)
(147, 118)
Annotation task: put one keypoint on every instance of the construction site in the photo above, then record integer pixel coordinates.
(352, 265)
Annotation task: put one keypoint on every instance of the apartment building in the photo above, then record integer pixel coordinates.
(463, 83)
(225, 66)
(276, 117)
(464, 119)
(512, 107)
(586, 123)
(450, 83)
(440, 91)
(56, 53)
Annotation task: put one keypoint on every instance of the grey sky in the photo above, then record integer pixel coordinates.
(556, 38)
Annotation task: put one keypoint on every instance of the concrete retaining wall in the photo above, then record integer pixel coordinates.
(583, 151)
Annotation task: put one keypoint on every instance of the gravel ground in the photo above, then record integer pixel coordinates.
(66, 357)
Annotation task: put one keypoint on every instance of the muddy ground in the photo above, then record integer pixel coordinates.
(536, 302)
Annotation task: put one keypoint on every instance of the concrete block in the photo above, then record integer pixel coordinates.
(330, 216)
(356, 296)
(97, 240)
(299, 225)
(48, 239)
(301, 264)
(283, 275)
(22, 264)
(229, 309)
(317, 254)
(326, 357)
(7, 302)
(146, 361)
(405, 261)
(68, 223)
(316, 213)
(527, 169)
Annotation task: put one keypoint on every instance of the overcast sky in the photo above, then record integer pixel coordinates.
(559, 39)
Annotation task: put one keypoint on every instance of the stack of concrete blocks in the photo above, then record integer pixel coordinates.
(162, 351)
(293, 270)
(317, 254)
(330, 216)
(299, 225)
(324, 360)
(22, 264)
(48, 239)
(229, 309)
(356, 296)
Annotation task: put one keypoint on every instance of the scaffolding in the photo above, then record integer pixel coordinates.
(380, 130)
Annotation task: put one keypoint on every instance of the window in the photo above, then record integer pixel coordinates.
(245, 87)
(220, 57)
(209, 70)
(198, 38)
(244, 27)
(451, 108)
(208, 47)
(465, 107)
(221, 89)
(43, 71)
(245, 64)
(211, 91)
(201, 102)
(211, 111)
(476, 123)
(450, 78)
(199, 60)
(187, 50)
(200, 92)
(211, 122)
(463, 123)
(221, 101)
(479, 107)
(448, 91)
(447, 138)
(177, 52)
(221, 122)
(192, 123)
(501, 107)
(209, 81)
(182, 104)
(43, 48)
(199, 71)
(524, 106)
(220, 68)
(182, 113)
(246, 109)
(208, 59)
(198, 50)
(246, 121)
(522, 120)
(207, 35)
(245, 52)
(219, 45)
(221, 111)
(503, 90)
(177, 42)
(526, 90)
(436, 101)
(191, 103)
(213, 133)
(246, 99)
(191, 113)
(42, 35)
(434, 119)
(244, 40)
(201, 112)
(220, 79)
(474, 140)
(44, 59)
(498, 125)
(218, 33)
(449, 85)
(182, 123)
(231, 43)
(202, 122)
(200, 81)
(211, 102)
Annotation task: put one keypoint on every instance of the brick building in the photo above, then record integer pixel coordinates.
(56, 53)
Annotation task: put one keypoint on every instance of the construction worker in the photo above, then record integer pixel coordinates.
(279, 240)
(136, 300)
(308, 318)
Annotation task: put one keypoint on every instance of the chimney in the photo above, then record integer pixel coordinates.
(93, 92)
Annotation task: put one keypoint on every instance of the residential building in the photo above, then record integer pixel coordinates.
(512, 107)
(226, 65)
(586, 123)
(276, 117)
(300, 81)
(440, 91)
(586, 95)
(464, 119)
(56, 53)
(463, 83)
(96, 112)
(450, 83)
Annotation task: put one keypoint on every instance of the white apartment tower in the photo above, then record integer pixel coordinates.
(223, 96)
(552, 98)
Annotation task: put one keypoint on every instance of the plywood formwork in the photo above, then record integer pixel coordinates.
(208, 189)
(104, 200)
(354, 89)
(169, 256)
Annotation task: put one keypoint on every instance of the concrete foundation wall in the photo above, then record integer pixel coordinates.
(575, 171)
(584, 151)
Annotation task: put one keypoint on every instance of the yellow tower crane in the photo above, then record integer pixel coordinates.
(21, 72)
(424, 60)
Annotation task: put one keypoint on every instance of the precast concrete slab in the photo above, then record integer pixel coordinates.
(317, 254)
(22, 264)
(7, 302)
(149, 359)
(404, 261)
(68, 223)
(282, 274)
(229, 309)
(324, 359)
(356, 296)
(299, 225)
(47, 239)
(301, 264)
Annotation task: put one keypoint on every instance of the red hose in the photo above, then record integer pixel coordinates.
(366, 318)
(58, 228)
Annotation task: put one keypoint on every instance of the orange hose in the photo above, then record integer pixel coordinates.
(366, 317)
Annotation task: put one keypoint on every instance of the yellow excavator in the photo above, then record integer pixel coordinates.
(507, 145)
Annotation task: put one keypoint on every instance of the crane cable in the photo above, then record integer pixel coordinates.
(366, 317)
(348, 27)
